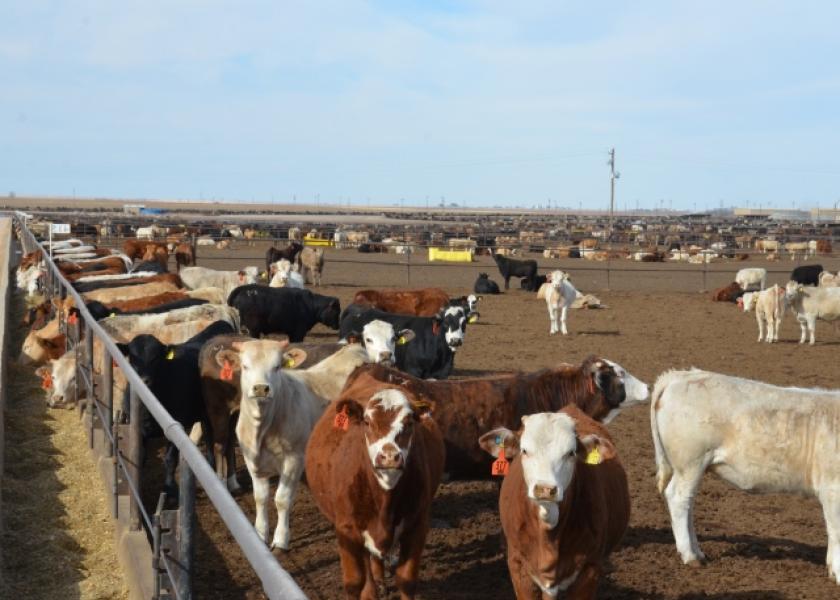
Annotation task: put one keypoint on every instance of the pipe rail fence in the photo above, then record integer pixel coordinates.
(119, 441)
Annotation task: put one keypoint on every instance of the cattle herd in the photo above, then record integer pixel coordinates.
(374, 423)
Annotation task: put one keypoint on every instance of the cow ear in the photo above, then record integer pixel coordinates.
(354, 337)
(593, 449)
(43, 371)
(405, 336)
(228, 356)
(352, 408)
(293, 357)
(493, 441)
(422, 408)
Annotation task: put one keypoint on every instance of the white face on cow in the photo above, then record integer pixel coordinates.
(259, 363)
(747, 301)
(472, 302)
(389, 429)
(792, 290)
(62, 390)
(556, 278)
(454, 326)
(636, 391)
(380, 341)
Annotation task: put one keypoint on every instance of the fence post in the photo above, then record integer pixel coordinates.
(92, 402)
(186, 529)
(135, 451)
(705, 271)
(408, 266)
(108, 398)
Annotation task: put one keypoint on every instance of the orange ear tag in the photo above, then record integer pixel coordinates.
(500, 465)
(72, 319)
(341, 421)
(46, 382)
(227, 372)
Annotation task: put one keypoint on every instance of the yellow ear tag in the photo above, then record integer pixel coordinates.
(171, 354)
(594, 457)
(401, 341)
(290, 363)
(472, 319)
(113, 315)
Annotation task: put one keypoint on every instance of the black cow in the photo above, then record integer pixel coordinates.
(485, 285)
(147, 266)
(526, 284)
(510, 267)
(807, 274)
(292, 311)
(290, 252)
(171, 372)
(100, 311)
(431, 354)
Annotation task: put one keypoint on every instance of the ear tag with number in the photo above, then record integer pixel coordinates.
(342, 420)
(227, 372)
(72, 319)
(500, 465)
(594, 457)
(171, 354)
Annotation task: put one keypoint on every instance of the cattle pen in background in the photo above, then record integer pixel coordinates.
(156, 548)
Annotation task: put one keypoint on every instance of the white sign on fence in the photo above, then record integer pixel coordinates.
(60, 228)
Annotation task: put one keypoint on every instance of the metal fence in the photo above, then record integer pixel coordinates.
(120, 441)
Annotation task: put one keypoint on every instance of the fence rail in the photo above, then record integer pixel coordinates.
(172, 531)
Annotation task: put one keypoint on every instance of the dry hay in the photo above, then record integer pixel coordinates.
(58, 539)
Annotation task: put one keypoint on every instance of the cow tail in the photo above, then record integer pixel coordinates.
(664, 471)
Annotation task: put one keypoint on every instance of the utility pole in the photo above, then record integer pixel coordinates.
(613, 176)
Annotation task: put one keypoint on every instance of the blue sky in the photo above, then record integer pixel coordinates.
(483, 103)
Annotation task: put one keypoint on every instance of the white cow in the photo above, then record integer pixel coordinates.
(810, 303)
(289, 279)
(172, 327)
(769, 308)
(828, 279)
(797, 247)
(748, 278)
(559, 296)
(61, 375)
(149, 233)
(198, 277)
(756, 436)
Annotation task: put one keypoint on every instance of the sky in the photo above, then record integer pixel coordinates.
(383, 102)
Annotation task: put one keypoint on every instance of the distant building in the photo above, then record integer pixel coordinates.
(133, 209)
(775, 214)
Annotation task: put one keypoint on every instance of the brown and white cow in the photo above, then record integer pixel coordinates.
(422, 303)
(373, 463)
(564, 504)
(466, 408)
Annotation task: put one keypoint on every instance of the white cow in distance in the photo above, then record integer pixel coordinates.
(769, 306)
(756, 436)
(559, 296)
(810, 303)
(751, 278)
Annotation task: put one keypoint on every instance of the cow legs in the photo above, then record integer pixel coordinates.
(289, 478)
(831, 510)
(586, 584)
(552, 315)
(170, 462)
(411, 548)
(679, 495)
(353, 568)
(563, 312)
(262, 490)
(507, 282)
(803, 328)
(524, 587)
(812, 325)
(760, 322)
(230, 456)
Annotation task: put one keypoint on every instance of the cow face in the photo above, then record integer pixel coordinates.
(454, 324)
(388, 422)
(620, 388)
(62, 390)
(556, 279)
(259, 363)
(793, 290)
(550, 451)
(747, 301)
(380, 341)
(331, 313)
(38, 350)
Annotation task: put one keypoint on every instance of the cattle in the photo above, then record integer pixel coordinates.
(432, 353)
(467, 408)
(751, 278)
(564, 503)
(287, 278)
(227, 281)
(469, 304)
(149, 265)
(136, 280)
(823, 247)
(290, 253)
(756, 436)
(794, 247)
(311, 261)
(172, 375)
(173, 327)
(42, 345)
(150, 233)
(368, 248)
(526, 283)
(389, 454)
(277, 413)
(185, 254)
(140, 292)
(509, 267)
(485, 285)
(38, 316)
(828, 279)
(117, 277)
(137, 248)
(158, 254)
(291, 311)
(769, 306)
(58, 380)
(807, 274)
(767, 245)
(222, 394)
(424, 302)
(728, 293)
(559, 296)
(809, 304)
(100, 311)
(99, 264)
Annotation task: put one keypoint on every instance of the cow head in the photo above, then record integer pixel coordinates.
(62, 380)
(380, 340)
(330, 313)
(38, 350)
(550, 451)
(259, 362)
(388, 421)
(747, 301)
(793, 290)
(619, 388)
(556, 278)
(453, 321)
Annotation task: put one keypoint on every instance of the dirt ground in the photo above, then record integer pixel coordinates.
(762, 547)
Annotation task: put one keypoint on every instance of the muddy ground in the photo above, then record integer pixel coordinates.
(761, 547)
